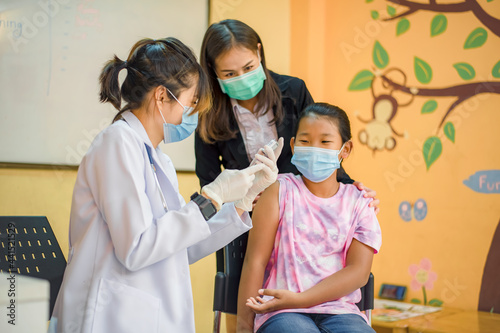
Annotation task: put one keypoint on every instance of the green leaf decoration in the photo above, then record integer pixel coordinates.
(423, 71)
(368, 1)
(489, 0)
(361, 81)
(496, 70)
(416, 301)
(449, 131)
(435, 302)
(465, 70)
(476, 38)
(391, 11)
(380, 56)
(438, 25)
(403, 26)
(429, 106)
(432, 150)
(374, 14)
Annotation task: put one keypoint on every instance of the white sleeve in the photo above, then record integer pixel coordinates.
(224, 226)
(115, 169)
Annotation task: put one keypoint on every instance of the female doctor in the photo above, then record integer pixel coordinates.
(132, 236)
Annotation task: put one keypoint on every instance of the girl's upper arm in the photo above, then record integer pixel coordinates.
(265, 220)
(360, 256)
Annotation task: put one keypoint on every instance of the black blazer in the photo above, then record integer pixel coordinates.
(232, 153)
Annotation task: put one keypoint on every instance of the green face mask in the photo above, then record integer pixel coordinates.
(245, 86)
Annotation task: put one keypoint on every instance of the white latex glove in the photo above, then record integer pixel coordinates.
(264, 178)
(231, 185)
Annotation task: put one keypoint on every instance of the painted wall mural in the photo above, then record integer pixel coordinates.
(408, 211)
(487, 181)
(423, 278)
(383, 81)
(394, 87)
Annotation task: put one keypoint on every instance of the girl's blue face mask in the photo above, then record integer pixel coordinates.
(316, 164)
(176, 133)
(246, 86)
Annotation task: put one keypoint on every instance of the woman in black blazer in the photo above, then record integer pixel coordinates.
(233, 56)
(218, 140)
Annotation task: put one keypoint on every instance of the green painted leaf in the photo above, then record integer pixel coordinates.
(432, 150)
(449, 131)
(361, 81)
(429, 106)
(374, 14)
(423, 71)
(438, 25)
(465, 70)
(368, 1)
(496, 70)
(416, 301)
(403, 26)
(436, 302)
(380, 56)
(489, 0)
(476, 38)
(391, 11)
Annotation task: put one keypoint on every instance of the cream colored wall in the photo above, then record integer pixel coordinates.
(271, 20)
(47, 192)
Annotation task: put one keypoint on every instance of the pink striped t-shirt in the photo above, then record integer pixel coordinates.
(312, 239)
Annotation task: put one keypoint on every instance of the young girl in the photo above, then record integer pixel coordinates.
(313, 240)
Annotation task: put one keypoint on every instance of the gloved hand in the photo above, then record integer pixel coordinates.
(231, 185)
(264, 178)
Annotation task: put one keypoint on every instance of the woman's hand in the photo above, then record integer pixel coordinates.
(369, 194)
(283, 299)
(231, 185)
(264, 178)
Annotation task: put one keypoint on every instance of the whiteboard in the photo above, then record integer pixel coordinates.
(51, 55)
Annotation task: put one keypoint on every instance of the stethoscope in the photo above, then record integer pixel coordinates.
(163, 201)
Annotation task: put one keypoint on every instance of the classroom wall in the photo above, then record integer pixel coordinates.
(452, 205)
(438, 184)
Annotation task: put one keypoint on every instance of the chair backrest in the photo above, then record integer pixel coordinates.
(367, 295)
(227, 281)
(29, 247)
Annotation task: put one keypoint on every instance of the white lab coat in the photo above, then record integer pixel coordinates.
(128, 263)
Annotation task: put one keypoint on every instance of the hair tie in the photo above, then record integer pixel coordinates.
(125, 64)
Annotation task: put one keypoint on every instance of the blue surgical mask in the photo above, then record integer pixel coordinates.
(316, 164)
(176, 133)
(246, 86)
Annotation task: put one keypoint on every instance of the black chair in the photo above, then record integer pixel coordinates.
(367, 298)
(29, 244)
(229, 265)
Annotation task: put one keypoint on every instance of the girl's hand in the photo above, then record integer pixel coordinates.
(369, 194)
(283, 299)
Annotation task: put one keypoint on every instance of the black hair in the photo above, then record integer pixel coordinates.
(220, 38)
(151, 63)
(333, 112)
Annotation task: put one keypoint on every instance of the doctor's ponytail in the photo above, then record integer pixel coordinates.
(151, 63)
(110, 90)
